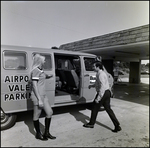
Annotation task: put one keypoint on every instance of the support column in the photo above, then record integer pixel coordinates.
(135, 72)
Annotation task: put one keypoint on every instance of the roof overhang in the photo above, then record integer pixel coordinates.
(128, 52)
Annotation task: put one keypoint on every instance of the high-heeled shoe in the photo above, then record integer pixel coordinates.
(48, 135)
(41, 137)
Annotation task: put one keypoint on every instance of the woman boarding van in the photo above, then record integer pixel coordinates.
(72, 74)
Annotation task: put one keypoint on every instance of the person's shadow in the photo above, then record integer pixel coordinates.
(81, 117)
(29, 122)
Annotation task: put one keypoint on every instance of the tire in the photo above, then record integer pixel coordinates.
(7, 120)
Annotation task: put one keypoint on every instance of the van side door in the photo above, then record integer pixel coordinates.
(88, 77)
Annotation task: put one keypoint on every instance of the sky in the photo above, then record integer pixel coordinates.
(53, 23)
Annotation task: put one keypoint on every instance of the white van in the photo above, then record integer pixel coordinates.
(72, 74)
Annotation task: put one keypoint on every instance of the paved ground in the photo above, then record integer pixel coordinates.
(132, 92)
(131, 106)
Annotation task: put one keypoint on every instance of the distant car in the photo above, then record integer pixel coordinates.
(120, 72)
(146, 72)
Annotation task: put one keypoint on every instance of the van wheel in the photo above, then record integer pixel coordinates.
(7, 120)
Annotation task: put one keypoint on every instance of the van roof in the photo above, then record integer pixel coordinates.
(38, 49)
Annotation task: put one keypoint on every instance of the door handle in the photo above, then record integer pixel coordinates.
(87, 75)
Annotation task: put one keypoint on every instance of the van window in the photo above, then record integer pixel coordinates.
(14, 60)
(48, 61)
(89, 63)
(64, 64)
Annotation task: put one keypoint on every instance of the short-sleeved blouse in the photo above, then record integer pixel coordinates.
(39, 75)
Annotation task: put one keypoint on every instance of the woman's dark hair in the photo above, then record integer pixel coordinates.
(98, 64)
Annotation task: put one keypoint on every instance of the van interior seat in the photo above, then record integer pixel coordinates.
(61, 74)
(72, 78)
(76, 78)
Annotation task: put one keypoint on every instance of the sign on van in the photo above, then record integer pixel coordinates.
(18, 87)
